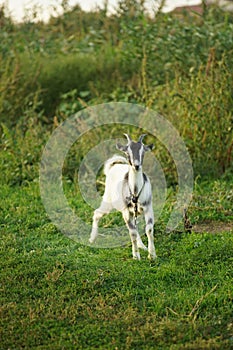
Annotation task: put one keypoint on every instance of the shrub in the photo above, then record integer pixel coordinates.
(200, 106)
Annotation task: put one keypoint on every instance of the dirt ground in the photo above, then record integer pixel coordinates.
(213, 227)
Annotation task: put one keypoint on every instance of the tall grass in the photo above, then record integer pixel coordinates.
(181, 67)
(21, 149)
(200, 107)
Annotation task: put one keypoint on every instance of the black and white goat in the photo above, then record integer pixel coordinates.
(128, 190)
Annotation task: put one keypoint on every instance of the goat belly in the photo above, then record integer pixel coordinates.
(114, 185)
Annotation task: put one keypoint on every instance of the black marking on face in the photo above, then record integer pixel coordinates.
(135, 153)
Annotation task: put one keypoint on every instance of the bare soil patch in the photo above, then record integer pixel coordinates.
(213, 227)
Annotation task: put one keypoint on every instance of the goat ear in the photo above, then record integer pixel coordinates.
(121, 147)
(149, 147)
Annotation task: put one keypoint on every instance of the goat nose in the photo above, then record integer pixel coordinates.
(136, 167)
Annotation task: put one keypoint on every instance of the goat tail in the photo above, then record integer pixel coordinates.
(113, 161)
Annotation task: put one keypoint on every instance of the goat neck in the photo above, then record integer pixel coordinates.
(136, 180)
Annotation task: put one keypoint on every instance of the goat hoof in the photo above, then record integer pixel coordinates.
(137, 257)
(152, 256)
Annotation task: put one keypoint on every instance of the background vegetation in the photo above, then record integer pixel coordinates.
(56, 294)
(180, 66)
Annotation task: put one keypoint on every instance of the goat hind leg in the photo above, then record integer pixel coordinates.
(104, 208)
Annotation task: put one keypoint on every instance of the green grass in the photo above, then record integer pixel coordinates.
(57, 294)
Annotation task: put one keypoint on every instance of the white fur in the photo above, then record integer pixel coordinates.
(117, 190)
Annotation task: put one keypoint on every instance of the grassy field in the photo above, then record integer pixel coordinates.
(59, 294)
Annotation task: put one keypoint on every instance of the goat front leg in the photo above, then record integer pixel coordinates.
(129, 220)
(104, 208)
(149, 218)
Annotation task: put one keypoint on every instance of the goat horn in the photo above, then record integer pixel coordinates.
(128, 138)
(141, 138)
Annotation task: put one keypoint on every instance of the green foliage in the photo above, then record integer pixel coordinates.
(172, 45)
(181, 68)
(17, 97)
(200, 107)
(212, 201)
(80, 72)
(55, 291)
(20, 151)
(208, 129)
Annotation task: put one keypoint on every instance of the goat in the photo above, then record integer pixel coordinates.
(128, 190)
